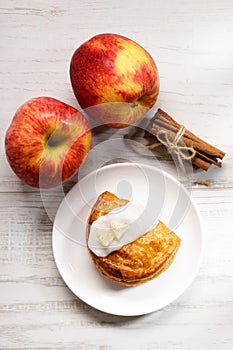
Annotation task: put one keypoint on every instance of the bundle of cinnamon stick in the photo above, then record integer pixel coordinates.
(205, 154)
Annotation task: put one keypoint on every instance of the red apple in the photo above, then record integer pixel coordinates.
(46, 142)
(115, 78)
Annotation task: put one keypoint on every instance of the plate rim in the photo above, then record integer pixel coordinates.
(197, 265)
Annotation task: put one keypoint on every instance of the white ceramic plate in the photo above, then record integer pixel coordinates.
(171, 203)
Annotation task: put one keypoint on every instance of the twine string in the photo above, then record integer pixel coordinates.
(174, 148)
(181, 152)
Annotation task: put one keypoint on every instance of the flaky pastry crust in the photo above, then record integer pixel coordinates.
(139, 261)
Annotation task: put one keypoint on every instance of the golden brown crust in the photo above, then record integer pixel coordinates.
(106, 202)
(138, 261)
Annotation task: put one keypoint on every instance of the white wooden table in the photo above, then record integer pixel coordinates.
(192, 43)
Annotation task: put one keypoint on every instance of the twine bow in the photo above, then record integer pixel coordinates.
(173, 147)
(181, 152)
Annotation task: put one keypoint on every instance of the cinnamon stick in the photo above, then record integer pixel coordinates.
(200, 163)
(209, 159)
(205, 153)
(163, 117)
(198, 146)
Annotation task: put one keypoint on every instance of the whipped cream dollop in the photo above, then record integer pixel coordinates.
(119, 227)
